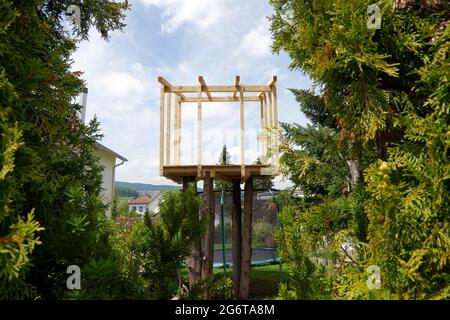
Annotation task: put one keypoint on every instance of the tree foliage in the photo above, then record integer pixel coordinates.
(162, 244)
(50, 212)
(382, 97)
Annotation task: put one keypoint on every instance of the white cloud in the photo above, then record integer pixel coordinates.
(120, 84)
(197, 13)
(256, 43)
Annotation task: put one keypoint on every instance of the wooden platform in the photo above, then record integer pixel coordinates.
(171, 100)
(218, 172)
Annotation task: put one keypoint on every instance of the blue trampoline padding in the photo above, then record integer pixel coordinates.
(259, 263)
(260, 257)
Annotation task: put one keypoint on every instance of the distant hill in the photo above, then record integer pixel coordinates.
(144, 186)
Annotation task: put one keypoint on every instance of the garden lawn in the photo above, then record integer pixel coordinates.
(264, 280)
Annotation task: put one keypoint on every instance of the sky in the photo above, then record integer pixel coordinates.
(181, 40)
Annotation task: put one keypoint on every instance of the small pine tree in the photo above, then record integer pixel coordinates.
(224, 159)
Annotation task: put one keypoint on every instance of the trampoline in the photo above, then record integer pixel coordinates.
(260, 257)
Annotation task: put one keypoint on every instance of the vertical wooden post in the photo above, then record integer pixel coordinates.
(161, 131)
(263, 124)
(236, 236)
(270, 132)
(177, 132)
(270, 110)
(199, 129)
(261, 109)
(247, 240)
(266, 125)
(210, 213)
(186, 181)
(275, 123)
(275, 106)
(168, 129)
(241, 100)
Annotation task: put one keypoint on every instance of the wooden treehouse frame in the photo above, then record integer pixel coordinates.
(170, 135)
(200, 263)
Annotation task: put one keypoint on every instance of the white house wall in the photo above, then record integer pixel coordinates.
(108, 161)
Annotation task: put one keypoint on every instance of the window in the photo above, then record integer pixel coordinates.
(141, 209)
(133, 208)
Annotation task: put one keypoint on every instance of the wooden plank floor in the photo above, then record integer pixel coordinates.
(218, 172)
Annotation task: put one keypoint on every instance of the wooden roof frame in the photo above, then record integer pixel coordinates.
(266, 95)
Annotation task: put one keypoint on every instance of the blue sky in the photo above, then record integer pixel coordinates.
(180, 40)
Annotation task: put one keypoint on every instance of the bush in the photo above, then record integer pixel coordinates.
(162, 245)
(217, 286)
(306, 281)
(263, 234)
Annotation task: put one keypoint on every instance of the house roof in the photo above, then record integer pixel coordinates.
(144, 199)
(102, 147)
(155, 195)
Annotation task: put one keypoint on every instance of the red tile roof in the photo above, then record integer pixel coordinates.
(144, 199)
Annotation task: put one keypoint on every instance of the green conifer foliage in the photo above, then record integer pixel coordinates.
(49, 178)
(387, 93)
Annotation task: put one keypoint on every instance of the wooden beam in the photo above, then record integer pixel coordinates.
(272, 81)
(210, 214)
(204, 87)
(236, 236)
(242, 133)
(266, 124)
(270, 127)
(275, 106)
(270, 84)
(262, 114)
(246, 240)
(168, 129)
(175, 130)
(245, 88)
(265, 109)
(161, 131)
(169, 87)
(270, 110)
(220, 176)
(194, 261)
(177, 133)
(199, 129)
(236, 84)
(222, 99)
(186, 181)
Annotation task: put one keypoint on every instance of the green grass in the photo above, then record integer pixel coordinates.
(263, 280)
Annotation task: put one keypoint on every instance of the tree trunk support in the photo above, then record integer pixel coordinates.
(194, 261)
(209, 213)
(246, 240)
(236, 229)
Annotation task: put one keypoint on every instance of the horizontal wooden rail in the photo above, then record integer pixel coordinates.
(194, 89)
(221, 99)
